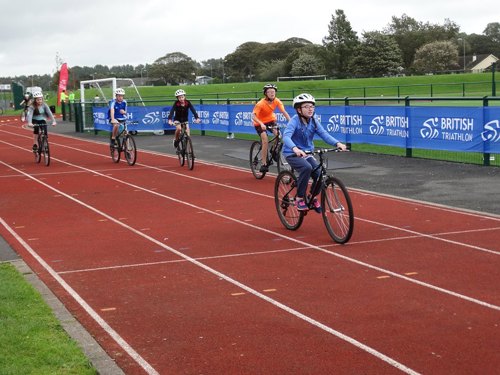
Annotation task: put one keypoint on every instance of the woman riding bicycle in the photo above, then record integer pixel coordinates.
(179, 113)
(38, 112)
(264, 118)
(117, 113)
(298, 139)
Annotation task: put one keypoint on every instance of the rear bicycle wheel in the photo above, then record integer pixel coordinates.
(255, 160)
(129, 149)
(338, 214)
(189, 153)
(115, 150)
(45, 151)
(181, 151)
(285, 190)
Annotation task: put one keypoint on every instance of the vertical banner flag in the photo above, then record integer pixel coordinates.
(63, 80)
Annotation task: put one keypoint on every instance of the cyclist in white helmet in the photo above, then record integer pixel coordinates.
(117, 113)
(298, 138)
(264, 118)
(27, 101)
(38, 113)
(179, 114)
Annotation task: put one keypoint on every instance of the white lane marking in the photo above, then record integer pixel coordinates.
(104, 325)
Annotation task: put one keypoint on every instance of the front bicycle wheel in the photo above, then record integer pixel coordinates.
(285, 190)
(44, 149)
(255, 160)
(38, 152)
(115, 151)
(337, 212)
(189, 153)
(129, 149)
(181, 151)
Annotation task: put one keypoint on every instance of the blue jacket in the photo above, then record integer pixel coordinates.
(298, 134)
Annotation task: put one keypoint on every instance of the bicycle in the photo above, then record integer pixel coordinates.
(127, 145)
(337, 210)
(275, 145)
(185, 147)
(43, 149)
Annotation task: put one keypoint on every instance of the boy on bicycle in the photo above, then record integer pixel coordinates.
(264, 118)
(117, 113)
(179, 113)
(298, 139)
(38, 112)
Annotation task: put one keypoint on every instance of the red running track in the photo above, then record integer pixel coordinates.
(177, 271)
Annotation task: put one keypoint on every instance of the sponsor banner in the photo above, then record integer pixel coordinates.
(491, 130)
(472, 129)
(446, 128)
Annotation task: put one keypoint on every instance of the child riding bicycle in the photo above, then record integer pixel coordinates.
(179, 113)
(264, 119)
(298, 139)
(27, 101)
(38, 112)
(117, 113)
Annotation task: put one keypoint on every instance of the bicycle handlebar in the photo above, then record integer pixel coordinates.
(324, 151)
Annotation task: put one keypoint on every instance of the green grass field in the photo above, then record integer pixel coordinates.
(32, 339)
(457, 85)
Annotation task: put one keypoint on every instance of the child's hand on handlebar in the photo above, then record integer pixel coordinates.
(341, 146)
(298, 152)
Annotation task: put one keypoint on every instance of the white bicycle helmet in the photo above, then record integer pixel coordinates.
(269, 86)
(180, 92)
(119, 91)
(37, 94)
(303, 98)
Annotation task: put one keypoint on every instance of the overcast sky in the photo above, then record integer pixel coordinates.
(110, 32)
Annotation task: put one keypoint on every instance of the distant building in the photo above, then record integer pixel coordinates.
(203, 80)
(479, 63)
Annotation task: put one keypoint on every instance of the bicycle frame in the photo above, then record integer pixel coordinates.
(275, 145)
(43, 145)
(317, 185)
(336, 206)
(185, 146)
(126, 143)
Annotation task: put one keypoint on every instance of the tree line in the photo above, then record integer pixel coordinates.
(405, 46)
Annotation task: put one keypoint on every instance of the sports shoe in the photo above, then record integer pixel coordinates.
(35, 147)
(264, 168)
(176, 143)
(316, 206)
(301, 205)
